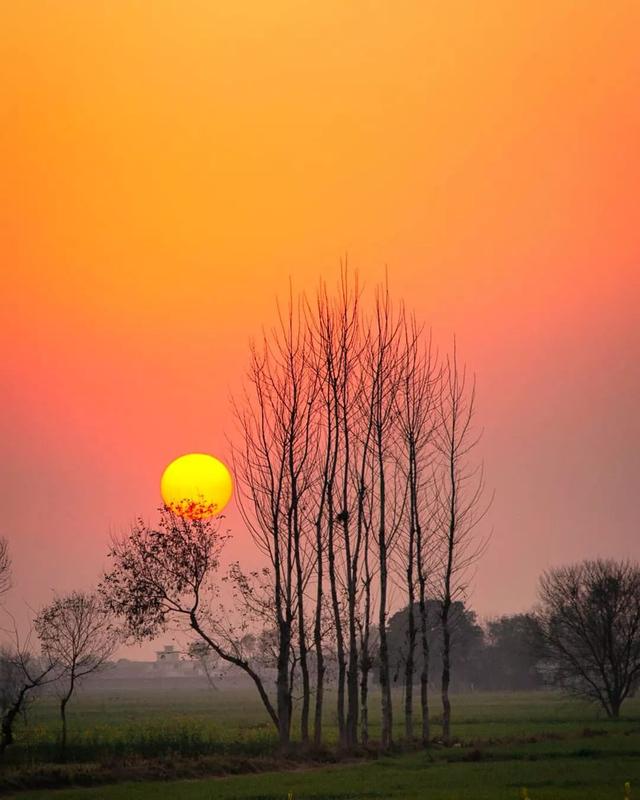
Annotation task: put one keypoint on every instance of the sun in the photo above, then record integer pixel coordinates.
(196, 486)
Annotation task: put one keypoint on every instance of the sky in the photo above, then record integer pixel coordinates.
(168, 167)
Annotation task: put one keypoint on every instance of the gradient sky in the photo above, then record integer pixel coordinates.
(168, 165)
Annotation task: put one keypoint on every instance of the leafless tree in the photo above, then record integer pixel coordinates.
(458, 505)
(416, 400)
(76, 632)
(384, 364)
(339, 340)
(273, 465)
(23, 674)
(322, 324)
(5, 567)
(589, 622)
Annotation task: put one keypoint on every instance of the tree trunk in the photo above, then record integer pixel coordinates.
(365, 656)
(340, 654)
(352, 675)
(408, 684)
(283, 685)
(446, 672)
(411, 622)
(615, 704)
(63, 733)
(364, 691)
(424, 674)
(385, 682)
(302, 644)
(9, 718)
(317, 635)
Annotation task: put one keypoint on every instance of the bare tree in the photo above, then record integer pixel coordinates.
(5, 567)
(458, 505)
(169, 575)
(22, 674)
(415, 404)
(76, 632)
(338, 342)
(273, 465)
(385, 373)
(322, 324)
(589, 622)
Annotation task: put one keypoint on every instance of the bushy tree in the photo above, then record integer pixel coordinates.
(589, 623)
(512, 653)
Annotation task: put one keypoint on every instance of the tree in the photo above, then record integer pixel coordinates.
(273, 462)
(77, 634)
(5, 567)
(22, 674)
(511, 654)
(468, 650)
(589, 622)
(458, 500)
(385, 361)
(415, 401)
(169, 574)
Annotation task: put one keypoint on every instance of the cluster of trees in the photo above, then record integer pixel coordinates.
(503, 654)
(353, 466)
(75, 638)
(354, 462)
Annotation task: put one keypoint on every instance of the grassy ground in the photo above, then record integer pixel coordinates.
(555, 747)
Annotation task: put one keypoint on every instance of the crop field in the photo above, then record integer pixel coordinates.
(134, 745)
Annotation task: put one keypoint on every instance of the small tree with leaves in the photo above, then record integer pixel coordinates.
(168, 575)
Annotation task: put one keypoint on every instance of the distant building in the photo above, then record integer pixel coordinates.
(169, 663)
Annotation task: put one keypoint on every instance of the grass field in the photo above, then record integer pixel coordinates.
(557, 748)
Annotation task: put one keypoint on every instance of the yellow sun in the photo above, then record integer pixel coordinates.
(196, 486)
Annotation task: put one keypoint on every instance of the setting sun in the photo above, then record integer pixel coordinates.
(196, 486)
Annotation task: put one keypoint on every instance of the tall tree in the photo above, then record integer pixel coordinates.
(384, 375)
(458, 505)
(589, 621)
(273, 462)
(415, 404)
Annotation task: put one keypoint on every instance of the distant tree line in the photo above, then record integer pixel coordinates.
(502, 654)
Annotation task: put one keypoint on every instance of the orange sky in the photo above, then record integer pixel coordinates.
(166, 166)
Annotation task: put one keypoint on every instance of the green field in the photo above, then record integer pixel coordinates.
(557, 748)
